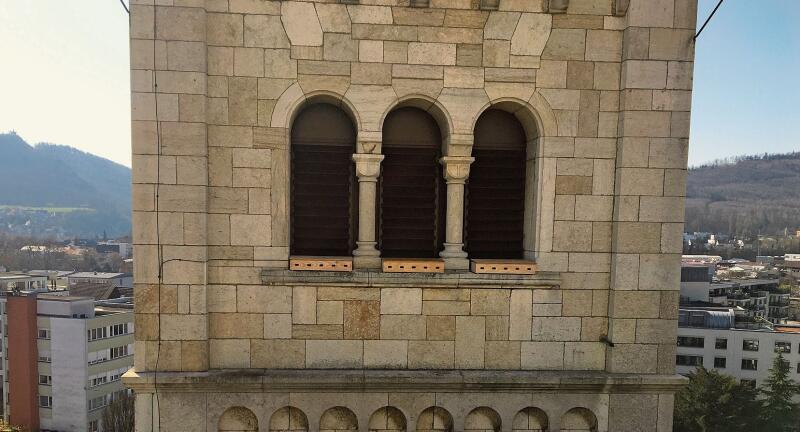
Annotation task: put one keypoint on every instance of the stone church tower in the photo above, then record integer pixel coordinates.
(408, 215)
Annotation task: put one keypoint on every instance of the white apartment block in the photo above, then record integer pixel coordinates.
(707, 336)
(62, 360)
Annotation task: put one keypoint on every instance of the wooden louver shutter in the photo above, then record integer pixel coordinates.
(495, 197)
(323, 182)
(412, 188)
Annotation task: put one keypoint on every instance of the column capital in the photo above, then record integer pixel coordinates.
(368, 166)
(456, 168)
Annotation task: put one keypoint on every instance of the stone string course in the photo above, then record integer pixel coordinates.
(604, 95)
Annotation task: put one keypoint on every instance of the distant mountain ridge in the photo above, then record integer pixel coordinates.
(745, 195)
(57, 176)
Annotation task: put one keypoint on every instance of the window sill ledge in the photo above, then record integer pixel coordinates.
(377, 278)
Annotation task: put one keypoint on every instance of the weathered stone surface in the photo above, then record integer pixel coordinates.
(301, 23)
(531, 34)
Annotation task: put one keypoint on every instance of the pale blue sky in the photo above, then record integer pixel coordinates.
(64, 77)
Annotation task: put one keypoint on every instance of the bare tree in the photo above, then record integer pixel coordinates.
(118, 415)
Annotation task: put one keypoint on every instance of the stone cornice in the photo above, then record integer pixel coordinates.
(315, 380)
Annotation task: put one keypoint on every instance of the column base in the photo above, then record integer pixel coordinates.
(366, 256)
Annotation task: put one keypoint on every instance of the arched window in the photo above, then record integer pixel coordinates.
(323, 201)
(495, 193)
(412, 187)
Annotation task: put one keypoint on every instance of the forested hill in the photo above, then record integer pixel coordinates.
(63, 190)
(745, 196)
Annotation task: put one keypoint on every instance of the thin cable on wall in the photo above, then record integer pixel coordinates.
(128, 11)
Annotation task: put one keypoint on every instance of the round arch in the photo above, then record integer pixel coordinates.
(435, 419)
(482, 419)
(238, 419)
(530, 419)
(387, 419)
(288, 419)
(579, 419)
(429, 105)
(293, 100)
(338, 419)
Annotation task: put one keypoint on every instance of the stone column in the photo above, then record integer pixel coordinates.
(368, 167)
(456, 172)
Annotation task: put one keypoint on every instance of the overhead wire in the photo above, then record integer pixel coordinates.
(708, 19)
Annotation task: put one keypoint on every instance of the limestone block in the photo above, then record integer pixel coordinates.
(250, 230)
(446, 294)
(564, 207)
(278, 354)
(565, 44)
(470, 342)
(334, 354)
(496, 53)
(260, 299)
(644, 74)
(301, 23)
(463, 77)
(589, 262)
(655, 13)
(577, 303)
(633, 412)
(465, 18)
(248, 62)
(521, 311)
(418, 72)
(236, 326)
(181, 198)
(546, 309)
(384, 32)
(242, 105)
(218, 86)
(431, 354)
(418, 16)
(503, 355)
(370, 14)
(531, 34)
(178, 23)
(572, 236)
(514, 75)
(361, 319)
(402, 327)
(370, 51)
(578, 21)
(672, 100)
(427, 87)
(183, 327)
(635, 304)
(584, 356)
(386, 354)
(661, 209)
(450, 35)
(637, 237)
(445, 307)
(186, 56)
(674, 182)
(317, 331)
(141, 22)
(395, 52)
(431, 53)
(497, 328)
(580, 75)
(268, 7)
(371, 101)
(658, 331)
(225, 29)
(496, 91)
(463, 106)
(679, 75)
(490, 301)
(469, 55)
(143, 106)
(278, 64)
(333, 17)
(265, 31)
(679, 125)
(657, 272)
(501, 25)
(338, 293)
(542, 355)
(556, 329)
(371, 73)
(606, 76)
(278, 326)
(573, 185)
(641, 181)
(401, 301)
(593, 208)
(330, 312)
(304, 305)
(191, 170)
(574, 167)
(671, 44)
(592, 328)
(441, 328)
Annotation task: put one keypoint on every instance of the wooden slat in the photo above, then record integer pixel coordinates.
(326, 264)
(413, 265)
(492, 266)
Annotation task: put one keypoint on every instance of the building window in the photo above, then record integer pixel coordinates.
(45, 401)
(749, 364)
(691, 342)
(412, 188)
(750, 345)
(44, 357)
(97, 403)
(96, 333)
(688, 360)
(748, 382)
(783, 347)
(495, 193)
(721, 344)
(323, 198)
(119, 329)
(94, 426)
(45, 380)
(720, 362)
(118, 352)
(798, 367)
(44, 334)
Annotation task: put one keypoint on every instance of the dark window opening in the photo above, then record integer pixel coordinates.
(495, 193)
(412, 190)
(323, 186)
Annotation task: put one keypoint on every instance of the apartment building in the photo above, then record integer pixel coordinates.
(756, 298)
(62, 359)
(710, 337)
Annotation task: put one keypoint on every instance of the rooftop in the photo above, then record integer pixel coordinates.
(97, 275)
